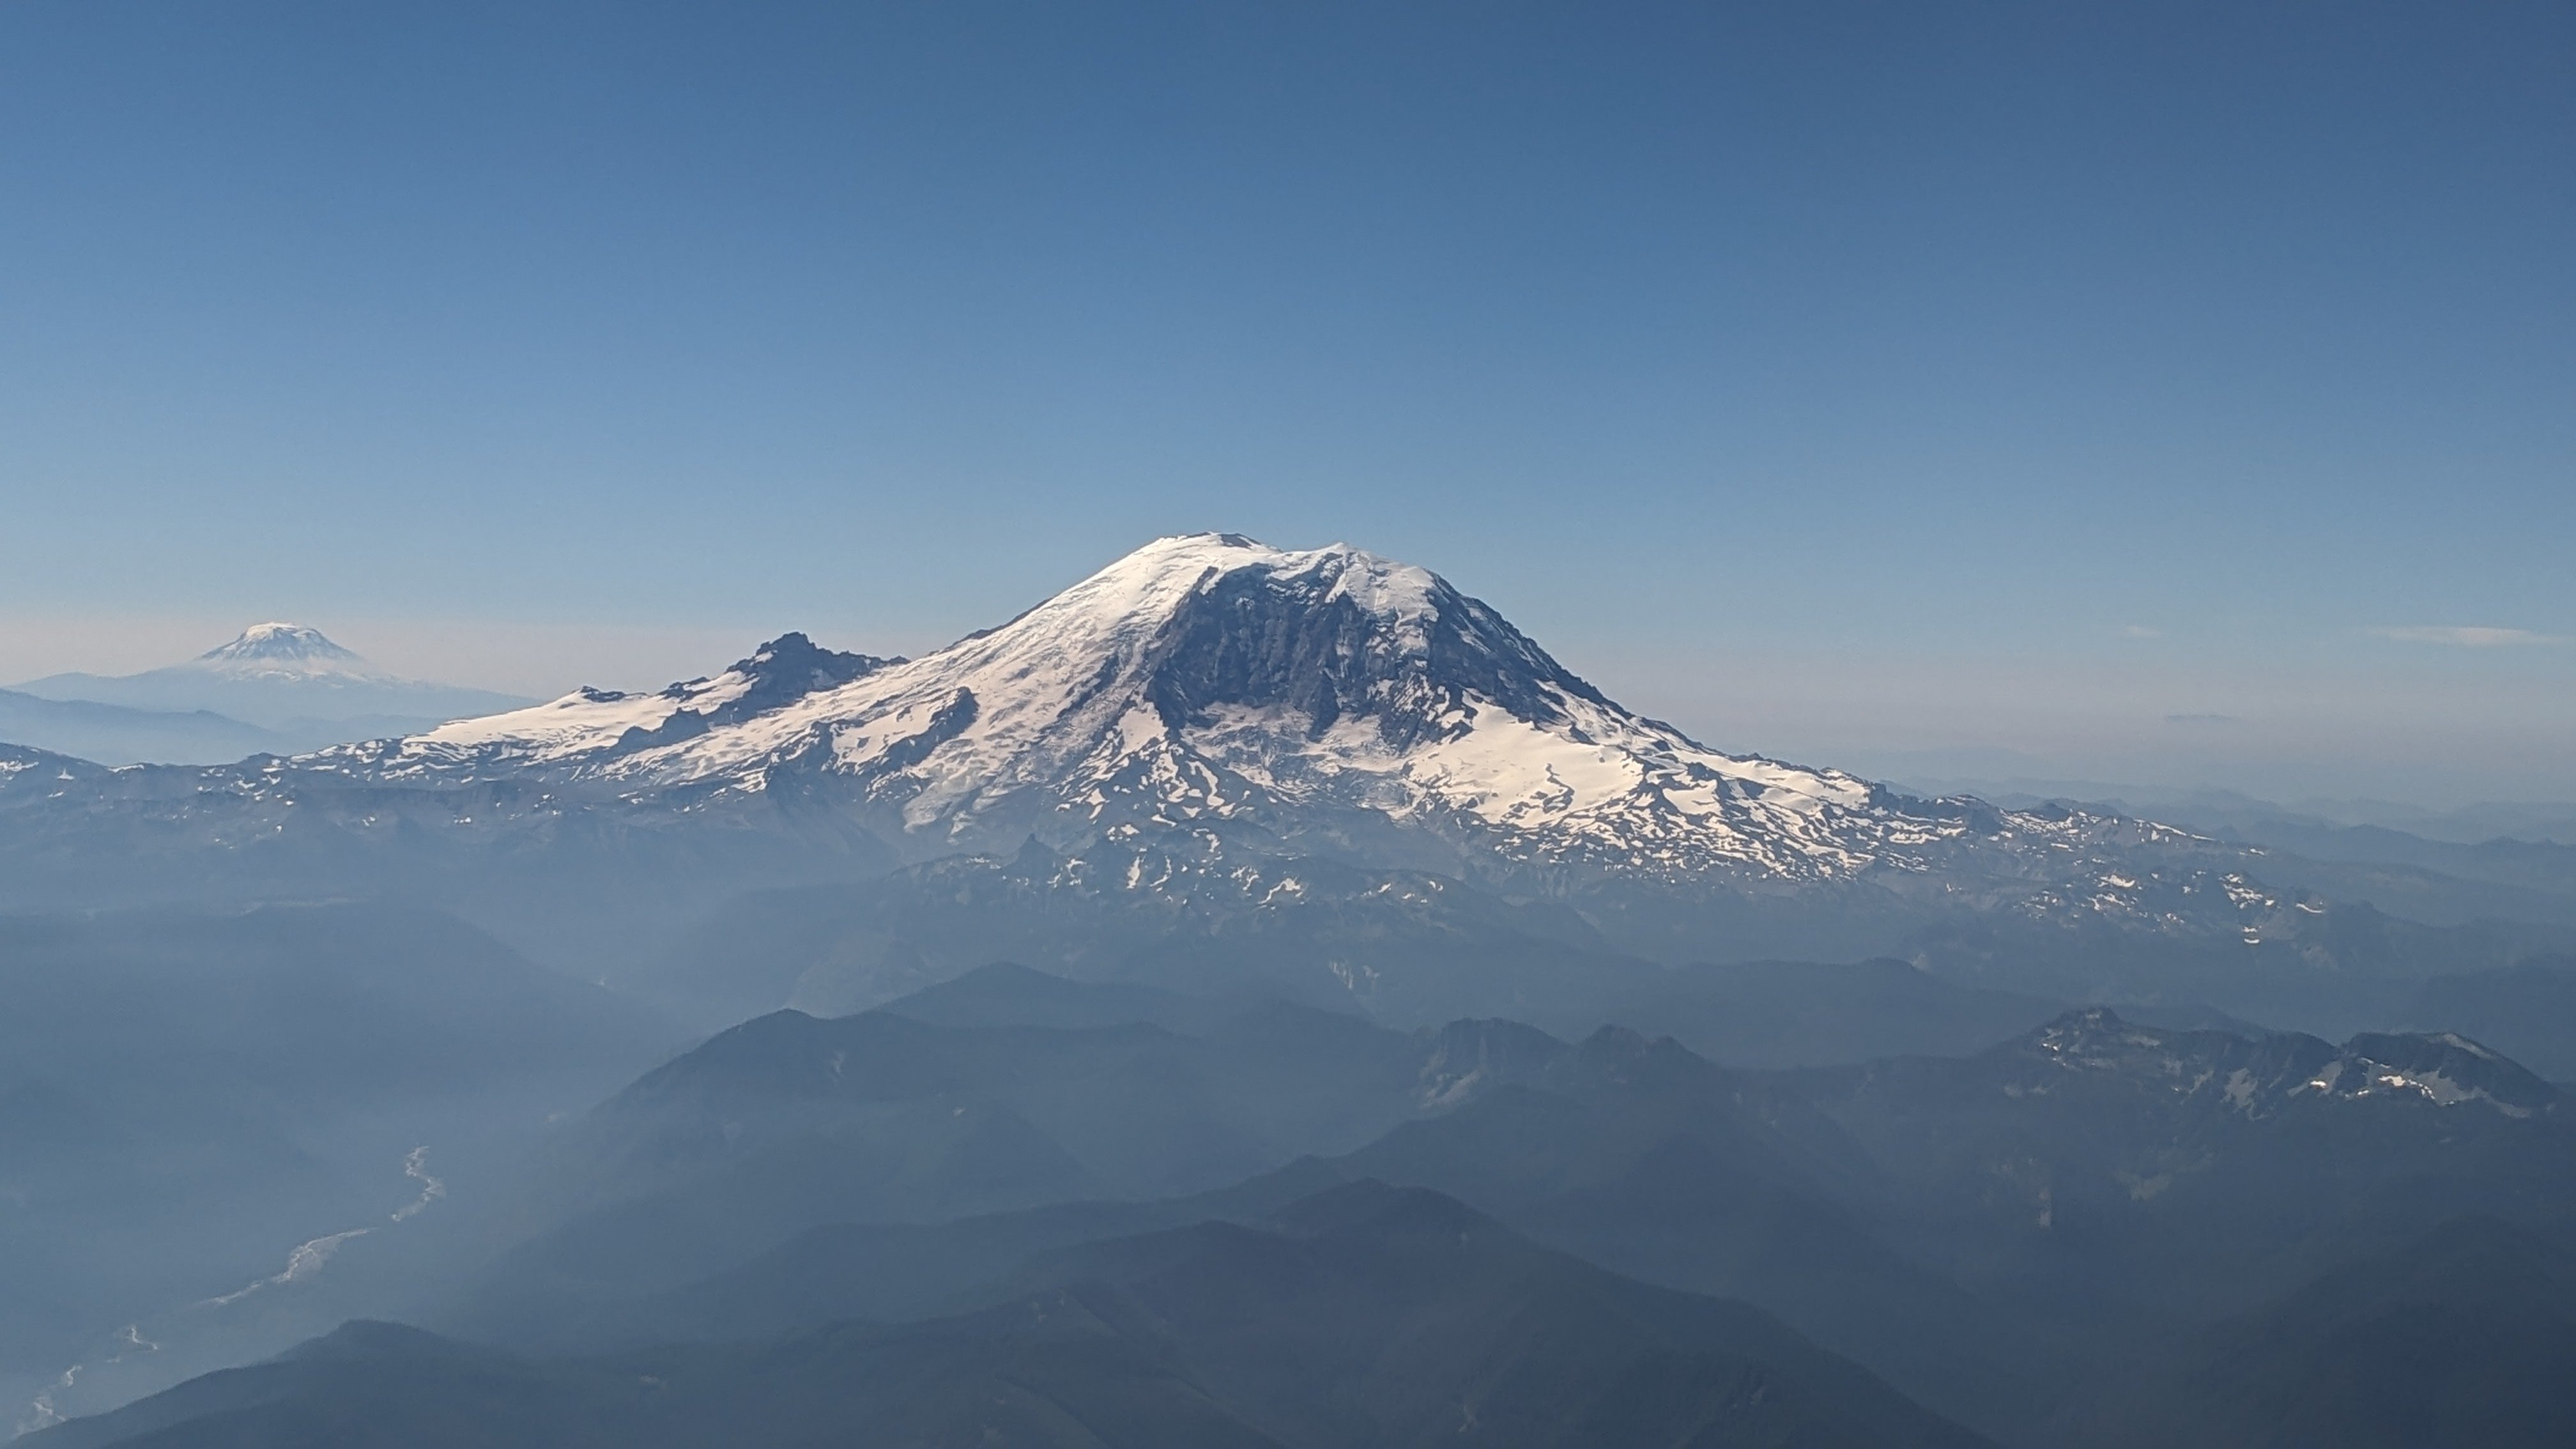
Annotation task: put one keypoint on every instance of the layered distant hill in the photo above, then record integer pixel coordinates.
(115, 734)
(1021, 1209)
(277, 687)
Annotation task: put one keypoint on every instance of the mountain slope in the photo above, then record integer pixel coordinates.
(1208, 698)
(116, 734)
(2527, 1011)
(1977, 1230)
(2464, 1336)
(2100, 1172)
(188, 1095)
(1365, 1316)
(788, 1122)
(1208, 678)
(1211, 680)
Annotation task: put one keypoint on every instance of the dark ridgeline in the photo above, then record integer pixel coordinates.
(951, 1217)
(1363, 1315)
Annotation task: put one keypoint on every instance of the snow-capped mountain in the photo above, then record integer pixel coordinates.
(1321, 760)
(1211, 697)
(289, 679)
(1211, 680)
(2264, 1076)
(280, 650)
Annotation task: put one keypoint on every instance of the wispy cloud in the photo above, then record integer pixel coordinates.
(2202, 720)
(2464, 636)
(2140, 631)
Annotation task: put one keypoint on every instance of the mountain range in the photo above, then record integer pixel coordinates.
(116, 734)
(1017, 1208)
(1362, 1315)
(1996, 1234)
(1210, 738)
(276, 688)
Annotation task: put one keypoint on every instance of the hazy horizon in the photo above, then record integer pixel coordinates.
(2442, 728)
(1218, 987)
(2176, 396)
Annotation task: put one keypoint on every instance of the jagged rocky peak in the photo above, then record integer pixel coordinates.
(792, 666)
(1331, 633)
(2261, 1075)
(2444, 1068)
(1468, 1058)
(777, 674)
(1624, 1059)
(2250, 1074)
(1196, 625)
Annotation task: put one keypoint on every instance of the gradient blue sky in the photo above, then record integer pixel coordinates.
(2075, 389)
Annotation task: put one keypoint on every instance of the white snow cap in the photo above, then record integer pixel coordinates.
(279, 640)
(278, 647)
(1149, 584)
(1054, 717)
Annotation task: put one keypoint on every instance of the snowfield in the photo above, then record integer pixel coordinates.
(1208, 679)
(1062, 703)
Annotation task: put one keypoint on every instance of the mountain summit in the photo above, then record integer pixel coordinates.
(1209, 695)
(1212, 681)
(289, 650)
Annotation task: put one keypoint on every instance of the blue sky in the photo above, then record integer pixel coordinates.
(2087, 390)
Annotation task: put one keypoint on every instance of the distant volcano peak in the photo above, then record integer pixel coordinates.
(1209, 681)
(279, 647)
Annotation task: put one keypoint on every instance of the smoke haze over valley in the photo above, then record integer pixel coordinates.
(1116, 726)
